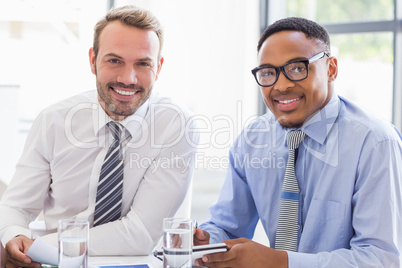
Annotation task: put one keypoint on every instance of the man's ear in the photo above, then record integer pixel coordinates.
(332, 69)
(159, 68)
(91, 54)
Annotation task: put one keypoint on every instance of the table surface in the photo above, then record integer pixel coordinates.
(122, 260)
(111, 260)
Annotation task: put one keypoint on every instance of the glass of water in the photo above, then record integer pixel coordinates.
(177, 242)
(73, 243)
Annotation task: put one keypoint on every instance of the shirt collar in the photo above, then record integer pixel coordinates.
(132, 123)
(319, 126)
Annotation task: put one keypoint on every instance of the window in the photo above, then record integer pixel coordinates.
(341, 11)
(366, 70)
(44, 59)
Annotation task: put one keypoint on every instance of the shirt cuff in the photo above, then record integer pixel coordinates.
(13, 231)
(302, 260)
(217, 235)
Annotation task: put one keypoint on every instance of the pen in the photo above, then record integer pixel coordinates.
(158, 253)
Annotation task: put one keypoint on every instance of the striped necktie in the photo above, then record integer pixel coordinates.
(110, 185)
(287, 229)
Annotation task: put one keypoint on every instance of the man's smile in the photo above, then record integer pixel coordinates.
(287, 104)
(288, 101)
(123, 92)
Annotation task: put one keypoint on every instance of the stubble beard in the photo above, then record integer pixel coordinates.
(120, 108)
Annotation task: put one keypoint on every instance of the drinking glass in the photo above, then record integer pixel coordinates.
(73, 243)
(177, 242)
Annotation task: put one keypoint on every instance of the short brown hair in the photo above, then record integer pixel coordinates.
(132, 16)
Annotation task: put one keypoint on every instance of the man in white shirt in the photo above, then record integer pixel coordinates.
(58, 172)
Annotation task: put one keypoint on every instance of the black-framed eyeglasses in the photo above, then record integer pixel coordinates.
(266, 76)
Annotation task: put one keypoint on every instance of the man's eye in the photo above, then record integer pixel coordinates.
(114, 61)
(144, 64)
(300, 69)
(297, 69)
(267, 72)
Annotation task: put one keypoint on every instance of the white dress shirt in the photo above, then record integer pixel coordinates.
(59, 172)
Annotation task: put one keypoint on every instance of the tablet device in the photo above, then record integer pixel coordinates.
(199, 251)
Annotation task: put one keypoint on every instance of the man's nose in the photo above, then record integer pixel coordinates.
(127, 75)
(283, 83)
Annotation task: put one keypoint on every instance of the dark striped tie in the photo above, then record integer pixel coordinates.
(287, 229)
(110, 185)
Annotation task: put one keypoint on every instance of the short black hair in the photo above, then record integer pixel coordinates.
(311, 29)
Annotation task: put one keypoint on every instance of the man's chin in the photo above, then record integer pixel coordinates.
(120, 109)
(286, 123)
(126, 112)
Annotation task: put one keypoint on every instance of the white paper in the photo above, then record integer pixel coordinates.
(42, 252)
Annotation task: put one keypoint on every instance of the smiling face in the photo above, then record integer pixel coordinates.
(126, 68)
(293, 103)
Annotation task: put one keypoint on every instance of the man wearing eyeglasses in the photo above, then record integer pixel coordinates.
(338, 204)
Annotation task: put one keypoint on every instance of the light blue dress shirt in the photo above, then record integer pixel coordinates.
(349, 170)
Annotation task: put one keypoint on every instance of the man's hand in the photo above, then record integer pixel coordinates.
(201, 237)
(2, 256)
(16, 250)
(245, 253)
